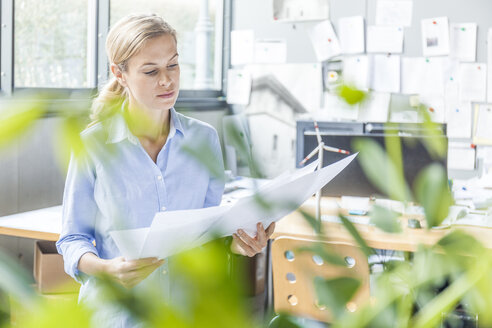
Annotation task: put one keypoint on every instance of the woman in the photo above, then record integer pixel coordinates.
(134, 165)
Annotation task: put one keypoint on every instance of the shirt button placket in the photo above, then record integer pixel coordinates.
(162, 192)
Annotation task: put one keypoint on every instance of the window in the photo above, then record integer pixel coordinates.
(50, 44)
(198, 24)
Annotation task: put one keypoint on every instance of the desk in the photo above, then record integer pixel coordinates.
(42, 224)
(295, 225)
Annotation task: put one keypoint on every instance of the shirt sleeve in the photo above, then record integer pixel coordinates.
(216, 183)
(78, 216)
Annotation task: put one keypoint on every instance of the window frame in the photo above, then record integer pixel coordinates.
(98, 26)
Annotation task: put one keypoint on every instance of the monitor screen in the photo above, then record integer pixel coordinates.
(352, 181)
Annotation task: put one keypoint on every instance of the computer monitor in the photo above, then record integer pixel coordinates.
(353, 181)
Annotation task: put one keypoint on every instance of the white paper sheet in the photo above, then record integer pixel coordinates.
(175, 231)
(337, 109)
(356, 71)
(463, 41)
(384, 39)
(473, 82)
(351, 34)
(461, 156)
(287, 197)
(459, 119)
(238, 86)
(395, 13)
(385, 76)
(435, 107)
(435, 36)
(483, 126)
(300, 10)
(421, 75)
(325, 41)
(270, 52)
(489, 65)
(242, 47)
(375, 109)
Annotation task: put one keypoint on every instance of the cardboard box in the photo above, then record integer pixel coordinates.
(48, 270)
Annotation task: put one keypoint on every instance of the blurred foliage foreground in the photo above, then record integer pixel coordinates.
(454, 275)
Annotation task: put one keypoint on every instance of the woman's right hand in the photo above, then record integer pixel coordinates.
(130, 272)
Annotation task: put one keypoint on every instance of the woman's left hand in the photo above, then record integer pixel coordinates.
(246, 245)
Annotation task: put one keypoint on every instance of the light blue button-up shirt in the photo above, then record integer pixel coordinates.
(118, 186)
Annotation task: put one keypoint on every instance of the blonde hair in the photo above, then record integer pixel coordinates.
(124, 40)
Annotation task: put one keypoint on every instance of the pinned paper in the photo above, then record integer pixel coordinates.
(461, 156)
(420, 75)
(394, 13)
(385, 39)
(435, 36)
(483, 122)
(351, 34)
(270, 52)
(376, 108)
(385, 76)
(473, 82)
(300, 10)
(463, 42)
(337, 109)
(238, 86)
(435, 107)
(459, 120)
(356, 71)
(489, 60)
(242, 47)
(325, 41)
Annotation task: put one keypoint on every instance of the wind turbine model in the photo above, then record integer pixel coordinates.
(319, 149)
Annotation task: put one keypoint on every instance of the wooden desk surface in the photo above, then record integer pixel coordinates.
(42, 224)
(294, 225)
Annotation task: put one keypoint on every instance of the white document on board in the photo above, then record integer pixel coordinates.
(385, 76)
(238, 86)
(395, 13)
(356, 71)
(375, 108)
(463, 41)
(461, 156)
(489, 66)
(420, 75)
(270, 52)
(242, 47)
(384, 39)
(325, 41)
(351, 34)
(473, 82)
(175, 231)
(435, 36)
(484, 122)
(338, 109)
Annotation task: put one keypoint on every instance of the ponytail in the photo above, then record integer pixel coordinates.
(108, 102)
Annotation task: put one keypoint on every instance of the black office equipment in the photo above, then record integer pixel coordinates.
(353, 181)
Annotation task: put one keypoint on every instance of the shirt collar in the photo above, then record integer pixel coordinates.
(118, 129)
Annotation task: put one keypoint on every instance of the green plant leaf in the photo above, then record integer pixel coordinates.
(313, 222)
(381, 170)
(432, 192)
(335, 293)
(355, 234)
(350, 94)
(18, 118)
(385, 219)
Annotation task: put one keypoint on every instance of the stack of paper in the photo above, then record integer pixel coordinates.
(175, 231)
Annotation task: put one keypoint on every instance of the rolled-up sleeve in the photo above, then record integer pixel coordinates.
(216, 183)
(79, 214)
